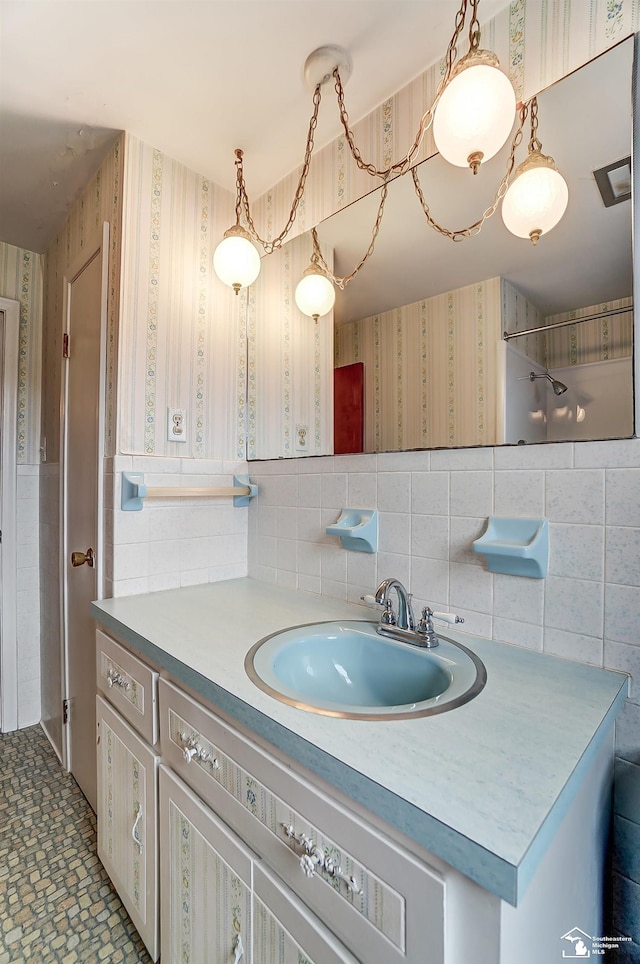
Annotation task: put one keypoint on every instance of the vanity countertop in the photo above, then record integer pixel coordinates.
(484, 786)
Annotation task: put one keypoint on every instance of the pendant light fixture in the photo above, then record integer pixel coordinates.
(315, 294)
(236, 259)
(538, 194)
(475, 112)
(472, 114)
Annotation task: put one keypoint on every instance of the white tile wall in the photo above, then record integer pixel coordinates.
(179, 542)
(432, 505)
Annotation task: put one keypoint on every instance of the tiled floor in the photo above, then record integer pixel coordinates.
(56, 901)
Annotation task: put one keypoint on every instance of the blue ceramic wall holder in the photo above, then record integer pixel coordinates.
(517, 547)
(357, 529)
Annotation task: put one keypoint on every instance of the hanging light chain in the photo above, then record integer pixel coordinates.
(239, 184)
(534, 142)
(318, 258)
(243, 198)
(474, 27)
(476, 227)
(403, 165)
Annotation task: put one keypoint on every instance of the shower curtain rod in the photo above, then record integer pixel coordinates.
(507, 335)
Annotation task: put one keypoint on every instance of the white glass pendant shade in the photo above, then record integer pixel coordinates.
(236, 260)
(537, 198)
(315, 294)
(475, 113)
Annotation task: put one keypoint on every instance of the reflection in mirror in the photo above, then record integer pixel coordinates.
(424, 319)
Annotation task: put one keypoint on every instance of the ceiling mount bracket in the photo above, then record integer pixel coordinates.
(321, 63)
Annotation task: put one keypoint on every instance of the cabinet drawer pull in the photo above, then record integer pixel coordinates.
(114, 678)
(191, 750)
(313, 860)
(336, 871)
(238, 949)
(134, 835)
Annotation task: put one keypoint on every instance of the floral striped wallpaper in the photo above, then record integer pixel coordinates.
(182, 332)
(290, 363)
(21, 280)
(431, 370)
(592, 341)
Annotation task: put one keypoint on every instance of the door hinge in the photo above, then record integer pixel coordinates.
(65, 711)
(65, 345)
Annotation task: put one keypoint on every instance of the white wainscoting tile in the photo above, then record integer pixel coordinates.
(519, 598)
(394, 491)
(625, 658)
(576, 646)
(574, 605)
(622, 488)
(394, 532)
(518, 633)
(576, 496)
(622, 614)
(622, 565)
(430, 536)
(576, 551)
(471, 493)
(470, 588)
(519, 493)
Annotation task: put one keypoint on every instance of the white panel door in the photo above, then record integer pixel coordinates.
(127, 819)
(83, 430)
(9, 324)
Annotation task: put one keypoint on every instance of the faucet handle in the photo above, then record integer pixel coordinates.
(426, 622)
(450, 618)
(370, 600)
(388, 617)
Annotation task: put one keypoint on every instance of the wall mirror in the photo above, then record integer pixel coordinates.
(417, 337)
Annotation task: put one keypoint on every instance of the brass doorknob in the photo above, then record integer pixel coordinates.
(80, 558)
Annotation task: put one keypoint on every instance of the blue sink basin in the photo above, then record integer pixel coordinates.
(346, 669)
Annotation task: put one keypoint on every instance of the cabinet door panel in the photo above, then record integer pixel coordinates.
(127, 807)
(206, 882)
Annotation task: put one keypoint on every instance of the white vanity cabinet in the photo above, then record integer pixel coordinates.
(128, 782)
(382, 905)
(282, 862)
(219, 903)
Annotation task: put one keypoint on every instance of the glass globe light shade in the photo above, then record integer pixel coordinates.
(537, 197)
(475, 113)
(315, 294)
(236, 260)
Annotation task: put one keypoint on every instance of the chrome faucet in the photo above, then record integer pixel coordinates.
(405, 618)
(403, 626)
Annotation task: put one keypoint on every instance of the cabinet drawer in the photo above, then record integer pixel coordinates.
(284, 930)
(129, 685)
(383, 904)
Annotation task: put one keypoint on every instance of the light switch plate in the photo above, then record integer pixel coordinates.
(176, 425)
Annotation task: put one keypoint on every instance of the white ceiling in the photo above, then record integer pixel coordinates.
(193, 78)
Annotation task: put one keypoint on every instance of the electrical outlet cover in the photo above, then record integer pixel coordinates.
(302, 438)
(176, 425)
